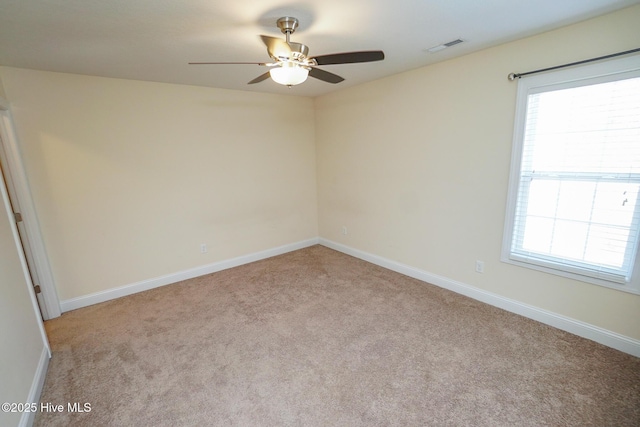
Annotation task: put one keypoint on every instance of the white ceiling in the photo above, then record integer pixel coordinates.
(155, 39)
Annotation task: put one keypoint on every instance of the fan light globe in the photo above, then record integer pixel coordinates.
(289, 74)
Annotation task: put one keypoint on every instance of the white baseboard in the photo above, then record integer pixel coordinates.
(582, 329)
(576, 327)
(145, 285)
(28, 418)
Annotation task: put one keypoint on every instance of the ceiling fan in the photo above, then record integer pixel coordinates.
(292, 65)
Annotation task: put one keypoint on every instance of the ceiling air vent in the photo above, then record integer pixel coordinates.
(453, 42)
(442, 46)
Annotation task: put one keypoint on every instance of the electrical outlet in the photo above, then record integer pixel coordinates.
(479, 266)
(203, 248)
(344, 230)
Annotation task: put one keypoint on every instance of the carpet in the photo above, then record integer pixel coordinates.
(318, 338)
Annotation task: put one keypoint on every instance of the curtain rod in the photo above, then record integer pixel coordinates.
(514, 76)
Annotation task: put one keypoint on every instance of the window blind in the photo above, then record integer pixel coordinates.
(578, 205)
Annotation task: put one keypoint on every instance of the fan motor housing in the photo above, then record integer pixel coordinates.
(299, 50)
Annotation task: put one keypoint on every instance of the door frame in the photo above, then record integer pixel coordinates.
(15, 172)
(5, 203)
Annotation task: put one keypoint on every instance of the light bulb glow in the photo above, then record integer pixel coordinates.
(289, 74)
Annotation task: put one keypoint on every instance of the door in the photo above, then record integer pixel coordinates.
(26, 248)
(15, 182)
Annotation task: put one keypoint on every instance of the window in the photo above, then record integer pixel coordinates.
(574, 202)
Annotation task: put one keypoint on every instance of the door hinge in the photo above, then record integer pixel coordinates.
(37, 289)
(17, 216)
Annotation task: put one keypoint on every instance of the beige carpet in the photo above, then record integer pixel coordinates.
(318, 338)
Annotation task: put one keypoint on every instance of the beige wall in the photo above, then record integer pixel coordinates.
(129, 177)
(20, 340)
(416, 166)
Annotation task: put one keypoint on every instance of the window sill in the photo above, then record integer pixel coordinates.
(629, 288)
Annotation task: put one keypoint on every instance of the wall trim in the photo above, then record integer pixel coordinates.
(145, 285)
(35, 392)
(603, 336)
(576, 327)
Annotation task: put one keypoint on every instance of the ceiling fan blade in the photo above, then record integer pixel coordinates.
(325, 76)
(260, 78)
(227, 63)
(350, 57)
(276, 47)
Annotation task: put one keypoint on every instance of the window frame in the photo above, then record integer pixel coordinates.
(616, 69)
